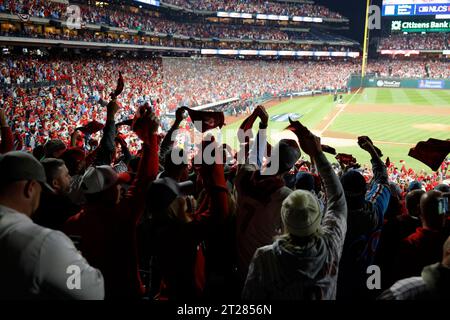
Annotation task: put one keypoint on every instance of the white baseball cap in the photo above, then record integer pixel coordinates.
(98, 179)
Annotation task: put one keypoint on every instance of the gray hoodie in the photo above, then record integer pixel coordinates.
(285, 271)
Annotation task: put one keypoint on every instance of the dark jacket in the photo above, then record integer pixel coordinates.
(364, 229)
(54, 210)
(394, 231)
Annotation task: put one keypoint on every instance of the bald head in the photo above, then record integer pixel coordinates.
(429, 207)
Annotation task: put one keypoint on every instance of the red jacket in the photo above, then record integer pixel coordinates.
(179, 246)
(108, 234)
(418, 250)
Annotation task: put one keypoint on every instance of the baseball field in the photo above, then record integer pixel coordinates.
(395, 119)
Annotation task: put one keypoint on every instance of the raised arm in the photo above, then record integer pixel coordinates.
(380, 193)
(259, 146)
(73, 138)
(7, 139)
(204, 220)
(166, 144)
(107, 147)
(244, 135)
(125, 151)
(134, 201)
(334, 223)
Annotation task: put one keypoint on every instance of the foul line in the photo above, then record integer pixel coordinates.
(338, 113)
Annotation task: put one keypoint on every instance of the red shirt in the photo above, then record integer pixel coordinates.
(108, 234)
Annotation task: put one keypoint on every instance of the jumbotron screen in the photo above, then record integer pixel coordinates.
(415, 7)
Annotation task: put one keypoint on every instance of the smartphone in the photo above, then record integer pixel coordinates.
(443, 206)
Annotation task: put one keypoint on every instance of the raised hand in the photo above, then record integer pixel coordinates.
(145, 124)
(366, 144)
(262, 114)
(153, 123)
(3, 121)
(180, 115)
(112, 109)
(310, 144)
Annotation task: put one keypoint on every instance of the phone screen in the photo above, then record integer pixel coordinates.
(443, 206)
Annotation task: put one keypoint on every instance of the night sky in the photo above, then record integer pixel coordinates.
(355, 11)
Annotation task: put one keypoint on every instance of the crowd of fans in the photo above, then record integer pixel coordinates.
(410, 68)
(103, 37)
(102, 193)
(210, 80)
(50, 97)
(415, 41)
(258, 6)
(78, 84)
(278, 223)
(71, 94)
(145, 21)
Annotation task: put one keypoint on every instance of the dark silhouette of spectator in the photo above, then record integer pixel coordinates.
(56, 207)
(365, 221)
(432, 284)
(54, 148)
(422, 247)
(394, 231)
(7, 139)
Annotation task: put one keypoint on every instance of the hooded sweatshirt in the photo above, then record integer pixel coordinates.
(285, 271)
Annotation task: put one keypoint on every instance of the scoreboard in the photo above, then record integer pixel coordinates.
(416, 7)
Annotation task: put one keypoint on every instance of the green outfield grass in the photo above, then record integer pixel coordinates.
(412, 97)
(408, 116)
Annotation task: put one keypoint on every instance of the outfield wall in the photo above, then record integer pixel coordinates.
(374, 82)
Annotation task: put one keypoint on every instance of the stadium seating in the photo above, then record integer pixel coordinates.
(147, 21)
(257, 6)
(437, 41)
